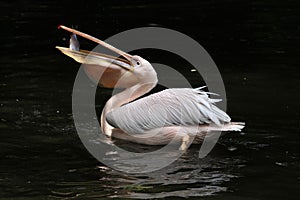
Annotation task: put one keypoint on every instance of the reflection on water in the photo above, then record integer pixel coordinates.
(42, 156)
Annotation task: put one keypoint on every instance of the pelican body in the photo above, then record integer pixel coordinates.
(184, 115)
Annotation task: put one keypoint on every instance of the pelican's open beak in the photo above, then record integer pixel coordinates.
(93, 58)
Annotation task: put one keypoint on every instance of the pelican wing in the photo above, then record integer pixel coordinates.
(106, 70)
(182, 106)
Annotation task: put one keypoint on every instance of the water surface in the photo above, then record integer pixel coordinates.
(255, 45)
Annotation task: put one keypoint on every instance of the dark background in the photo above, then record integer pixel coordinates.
(255, 45)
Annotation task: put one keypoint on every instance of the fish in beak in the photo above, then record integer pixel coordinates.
(104, 69)
(74, 43)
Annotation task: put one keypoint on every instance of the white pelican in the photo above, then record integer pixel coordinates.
(182, 113)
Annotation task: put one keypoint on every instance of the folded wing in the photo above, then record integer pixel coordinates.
(182, 106)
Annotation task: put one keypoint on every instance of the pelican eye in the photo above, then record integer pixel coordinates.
(138, 63)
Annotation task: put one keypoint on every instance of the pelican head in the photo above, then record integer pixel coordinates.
(143, 70)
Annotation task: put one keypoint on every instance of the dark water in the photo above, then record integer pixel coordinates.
(256, 47)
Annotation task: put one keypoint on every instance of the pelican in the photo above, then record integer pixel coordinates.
(184, 114)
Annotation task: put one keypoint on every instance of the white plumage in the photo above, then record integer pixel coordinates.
(170, 107)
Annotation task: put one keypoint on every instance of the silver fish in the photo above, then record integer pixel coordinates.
(74, 43)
